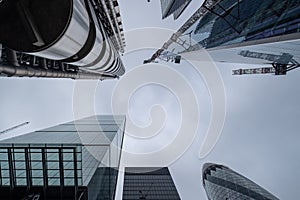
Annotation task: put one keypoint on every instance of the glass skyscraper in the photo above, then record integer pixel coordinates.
(149, 183)
(225, 28)
(222, 183)
(74, 160)
(175, 7)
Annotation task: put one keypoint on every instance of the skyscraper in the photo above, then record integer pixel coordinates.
(173, 7)
(78, 39)
(227, 28)
(222, 183)
(149, 183)
(74, 160)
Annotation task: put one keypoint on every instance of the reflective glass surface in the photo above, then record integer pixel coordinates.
(83, 153)
(149, 183)
(222, 183)
(220, 23)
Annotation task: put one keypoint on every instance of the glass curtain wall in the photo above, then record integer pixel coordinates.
(226, 22)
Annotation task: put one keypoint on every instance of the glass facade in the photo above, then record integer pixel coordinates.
(175, 7)
(222, 183)
(238, 21)
(149, 183)
(225, 28)
(25, 165)
(65, 161)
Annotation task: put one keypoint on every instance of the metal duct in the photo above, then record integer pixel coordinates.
(24, 71)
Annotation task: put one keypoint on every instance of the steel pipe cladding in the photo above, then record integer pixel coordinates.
(64, 30)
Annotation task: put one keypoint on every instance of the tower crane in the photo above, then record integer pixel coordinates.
(14, 127)
(281, 64)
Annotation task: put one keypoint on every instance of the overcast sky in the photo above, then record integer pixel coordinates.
(260, 137)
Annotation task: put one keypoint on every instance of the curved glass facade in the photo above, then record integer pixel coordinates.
(222, 183)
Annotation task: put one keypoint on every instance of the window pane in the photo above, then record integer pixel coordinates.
(21, 181)
(37, 181)
(53, 165)
(19, 156)
(53, 181)
(78, 156)
(52, 150)
(53, 173)
(36, 165)
(3, 156)
(4, 173)
(52, 156)
(68, 156)
(3, 151)
(4, 165)
(79, 165)
(5, 181)
(79, 173)
(37, 173)
(20, 173)
(20, 165)
(35, 150)
(68, 150)
(79, 181)
(19, 150)
(68, 173)
(68, 165)
(36, 156)
(69, 181)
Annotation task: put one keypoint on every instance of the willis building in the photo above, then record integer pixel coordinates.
(75, 160)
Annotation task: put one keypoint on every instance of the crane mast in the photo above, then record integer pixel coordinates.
(281, 64)
(14, 127)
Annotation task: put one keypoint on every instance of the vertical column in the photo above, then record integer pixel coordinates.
(109, 172)
(45, 176)
(28, 170)
(11, 169)
(75, 172)
(61, 172)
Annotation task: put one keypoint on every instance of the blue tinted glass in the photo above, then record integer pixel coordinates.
(4, 173)
(53, 165)
(21, 181)
(4, 165)
(68, 156)
(37, 173)
(20, 173)
(53, 181)
(52, 156)
(20, 165)
(69, 181)
(36, 165)
(36, 156)
(19, 156)
(37, 181)
(3, 156)
(68, 173)
(53, 173)
(68, 165)
(5, 181)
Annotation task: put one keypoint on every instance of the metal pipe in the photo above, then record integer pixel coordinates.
(24, 71)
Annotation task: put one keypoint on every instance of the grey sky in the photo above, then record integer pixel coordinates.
(260, 138)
